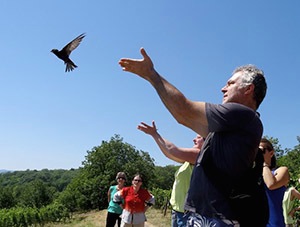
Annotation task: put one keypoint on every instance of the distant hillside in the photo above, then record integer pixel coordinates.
(4, 171)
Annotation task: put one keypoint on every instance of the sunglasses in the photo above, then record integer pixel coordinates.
(121, 178)
(264, 149)
(136, 180)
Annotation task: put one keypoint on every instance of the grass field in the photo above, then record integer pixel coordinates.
(97, 219)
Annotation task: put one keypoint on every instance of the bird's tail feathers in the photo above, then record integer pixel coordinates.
(70, 66)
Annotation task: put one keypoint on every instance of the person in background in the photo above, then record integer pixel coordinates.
(276, 181)
(288, 205)
(232, 132)
(136, 201)
(115, 210)
(186, 156)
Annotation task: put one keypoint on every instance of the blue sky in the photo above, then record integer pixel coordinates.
(50, 119)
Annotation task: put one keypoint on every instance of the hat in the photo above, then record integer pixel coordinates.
(121, 174)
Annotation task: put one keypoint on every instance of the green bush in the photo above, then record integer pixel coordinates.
(162, 197)
(27, 216)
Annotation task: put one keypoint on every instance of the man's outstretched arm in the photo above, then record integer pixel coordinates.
(169, 149)
(189, 113)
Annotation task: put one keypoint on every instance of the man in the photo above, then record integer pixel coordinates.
(232, 132)
(185, 156)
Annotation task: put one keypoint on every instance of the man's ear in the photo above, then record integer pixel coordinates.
(250, 89)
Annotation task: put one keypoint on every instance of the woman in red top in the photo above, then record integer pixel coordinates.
(136, 201)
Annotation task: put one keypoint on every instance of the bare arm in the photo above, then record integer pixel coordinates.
(169, 149)
(293, 211)
(108, 195)
(295, 194)
(278, 180)
(189, 113)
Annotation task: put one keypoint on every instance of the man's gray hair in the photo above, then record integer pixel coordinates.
(253, 75)
(249, 73)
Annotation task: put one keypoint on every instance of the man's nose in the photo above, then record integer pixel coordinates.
(224, 89)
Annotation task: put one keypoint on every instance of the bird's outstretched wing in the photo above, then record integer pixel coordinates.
(73, 44)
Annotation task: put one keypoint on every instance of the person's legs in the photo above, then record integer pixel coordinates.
(139, 225)
(119, 220)
(174, 219)
(123, 224)
(110, 219)
(181, 219)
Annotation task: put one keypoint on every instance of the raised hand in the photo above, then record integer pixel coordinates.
(151, 130)
(142, 67)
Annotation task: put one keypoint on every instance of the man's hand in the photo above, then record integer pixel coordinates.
(142, 67)
(151, 130)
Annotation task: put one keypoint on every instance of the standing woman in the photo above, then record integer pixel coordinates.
(276, 181)
(115, 210)
(136, 202)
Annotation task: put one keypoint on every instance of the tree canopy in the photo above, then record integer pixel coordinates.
(99, 170)
(86, 188)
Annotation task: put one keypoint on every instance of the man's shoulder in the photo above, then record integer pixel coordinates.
(230, 116)
(229, 107)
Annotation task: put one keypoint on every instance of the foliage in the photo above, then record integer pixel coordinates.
(292, 160)
(28, 216)
(34, 194)
(162, 197)
(7, 199)
(57, 178)
(164, 177)
(30, 198)
(33, 188)
(99, 170)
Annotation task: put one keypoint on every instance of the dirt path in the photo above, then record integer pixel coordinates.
(97, 219)
(147, 224)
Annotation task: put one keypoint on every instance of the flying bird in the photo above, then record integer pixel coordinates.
(65, 52)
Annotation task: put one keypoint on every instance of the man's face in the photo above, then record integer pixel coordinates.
(198, 141)
(233, 91)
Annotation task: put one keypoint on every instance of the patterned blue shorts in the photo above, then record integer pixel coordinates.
(197, 220)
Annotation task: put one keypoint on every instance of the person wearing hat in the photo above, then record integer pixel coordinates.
(115, 210)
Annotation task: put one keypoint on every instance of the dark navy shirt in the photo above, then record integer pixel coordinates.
(228, 151)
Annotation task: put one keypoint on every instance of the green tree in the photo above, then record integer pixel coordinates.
(99, 170)
(164, 177)
(292, 160)
(34, 194)
(6, 198)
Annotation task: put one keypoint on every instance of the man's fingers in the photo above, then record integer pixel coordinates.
(143, 52)
(153, 124)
